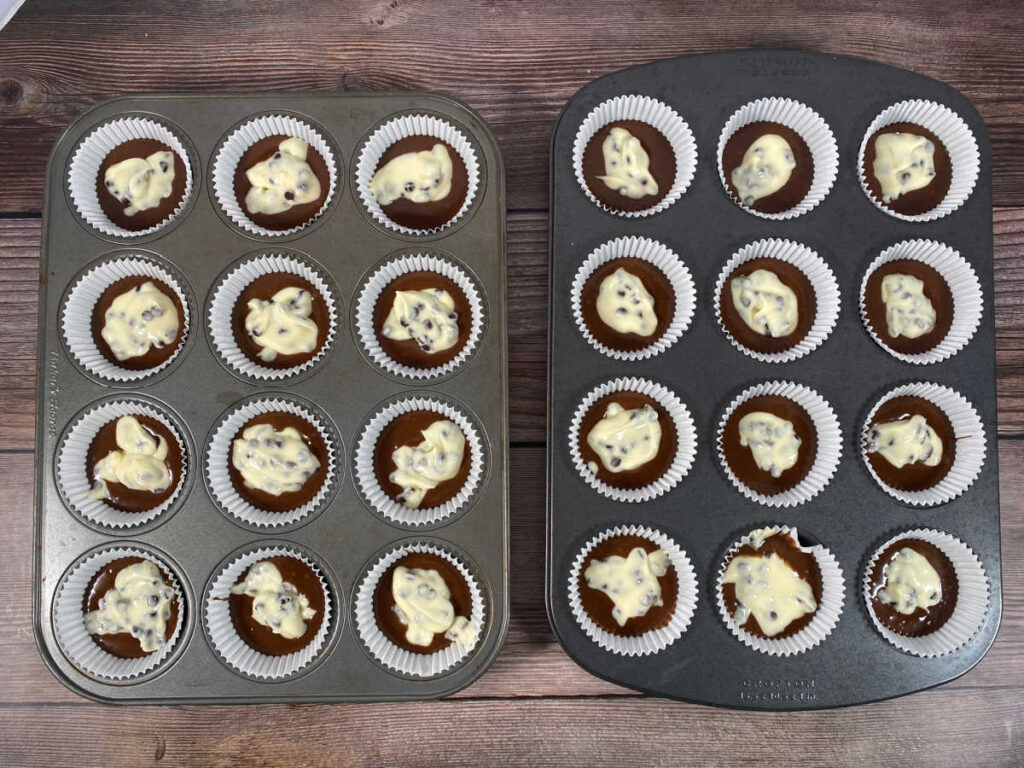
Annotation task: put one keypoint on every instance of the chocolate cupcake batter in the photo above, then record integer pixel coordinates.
(662, 165)
(384, 601)
(921, 621)
(156, 355)
(792, 278)
(408, 351)
(802, 563)
(599, 605)
(263, 638)
(646, 473)
(936, 290)
(407, 429)
(122, 497)
(916, 476)
(264, 288)
(288, 500)
(114, 208)
(297, 215)
(656, 284)
(433, 213)
(122, 644)
(920, 200)
(741, 459)
(801, 176)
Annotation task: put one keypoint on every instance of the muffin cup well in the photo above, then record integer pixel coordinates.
(378, 280)
(955, 136)
(72, 468)
(366, 477)
(657, 639)
(230, 153)
(218, 459)
(69, 619)
(967, 431)
(85, 166)
(833, 591)
(823, 281)
(686, 436)
(811, 127)
(963, 283)
(973, 597)
(656, 114)
(230, 287)
(665, 260)
(224, 638)
(393, 657)
(403, 127)
(87, 288)
(829, 450)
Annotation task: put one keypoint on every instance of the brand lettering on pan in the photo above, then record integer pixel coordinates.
(767, 66)
(54, 388)
(778, 690)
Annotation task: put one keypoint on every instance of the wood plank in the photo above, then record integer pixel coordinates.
(515, 62)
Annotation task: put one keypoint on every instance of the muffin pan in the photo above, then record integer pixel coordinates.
(198, 533)
(704, 513)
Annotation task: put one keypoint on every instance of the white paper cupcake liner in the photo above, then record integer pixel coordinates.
(955, 136)
(656, 114)
(403, 127)
(231, 286)
(972, 601)
(230, 153)
(76, 314)
(811, 127)
(69, 619)
(73, 472)
(381, 277)
(667, 262)
(657, 639)
(218, 460)
(85, 165)
(963, 283)
(366, 477)
(400, 660)
(686, 436)
(814, 268)
(967, 431)
(830, 443)
(224, 638)
(833, 591)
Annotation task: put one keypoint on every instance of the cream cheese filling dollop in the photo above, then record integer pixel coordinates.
(908, 312)
(271, 461)
(904, 162)
(423, 604)
(906, 441)
(626, 165)
(276, 604)
(282, 180)
(625, 439)
(631, 582)
(139, 604)
(282, 326)
(428, 317)
(139, 463)
(624, 305)
(423, 467)
(770, 590)
(141, 183)
(766, 167)
(422, 177)
(766, 304)
(910, 582)
(772, 441)
(138, 320)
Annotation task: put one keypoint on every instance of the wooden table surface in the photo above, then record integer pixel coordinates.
(517, 63)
